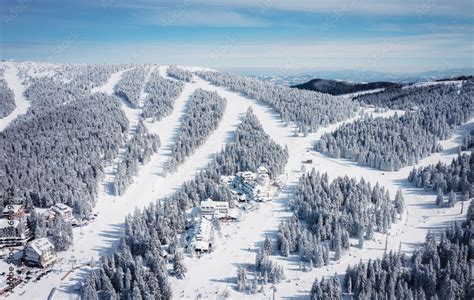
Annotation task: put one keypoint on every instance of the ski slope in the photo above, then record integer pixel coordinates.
(214, 275)
(108, 87)
(406, 235)
(99, 237)
(14, 83)
(240, 241)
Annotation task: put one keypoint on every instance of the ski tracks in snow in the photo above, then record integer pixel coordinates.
(241, 240)
(14, 83)
(216, 272)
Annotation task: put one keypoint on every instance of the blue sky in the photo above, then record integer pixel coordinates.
(287, 36)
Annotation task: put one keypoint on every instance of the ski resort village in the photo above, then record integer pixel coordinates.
(147, 181)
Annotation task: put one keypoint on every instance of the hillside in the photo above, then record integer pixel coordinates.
(167, 171)
(335, 87)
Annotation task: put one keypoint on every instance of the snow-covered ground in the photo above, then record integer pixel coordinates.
(406, 235)
(214, 274)
(14, 83)
(99, 237)
(108, 87)
(240, 241)
(458, 83)
(353, 95)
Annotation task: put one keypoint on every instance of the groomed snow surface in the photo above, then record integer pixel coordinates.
(214, 275)
(14, 83)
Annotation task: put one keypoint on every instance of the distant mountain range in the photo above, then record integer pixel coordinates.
(335, 87)
(364, 76)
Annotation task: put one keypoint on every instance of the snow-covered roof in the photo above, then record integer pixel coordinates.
(262, 170)
(209, 203)
(233, 213)
(40, 245)
(205, 228)
(15, 208)
(62, 206)
(4, 223)
(201, 245)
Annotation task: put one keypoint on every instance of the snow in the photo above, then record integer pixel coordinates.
(239, 241)
(108, 87)
(14, 83)
(458, 83)
(100, 236)
(353, 95)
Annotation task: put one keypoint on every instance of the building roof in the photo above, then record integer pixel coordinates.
(201, 245)
(205, 228)
(233, 213)
(262, 170)
(62, 206)
(40, 245)
(4, 223)
(211, 203)
(15, 208)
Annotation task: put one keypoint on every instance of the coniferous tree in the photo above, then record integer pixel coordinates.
(308, 109)
(391, 143)
(399, 202)
(179, 73)
(241, 279)
(7, 99)
(205, 111)
(452, 199)
(440, 198)
(161, 96)
(178, 265)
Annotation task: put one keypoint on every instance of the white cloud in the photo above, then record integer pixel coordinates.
(185, 16)
(455, 8)
(401, 54)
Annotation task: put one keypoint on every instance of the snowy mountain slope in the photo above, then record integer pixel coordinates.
(239, 247)
(14, 83)
(108, 87)
(99, 237)
(406, 235)
(239, 241)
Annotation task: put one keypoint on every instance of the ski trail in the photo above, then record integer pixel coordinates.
(100, 236)
(14, 83)
(239, 245)
(406, 235)
(109, 86)
(133, 115)
(241, 240)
